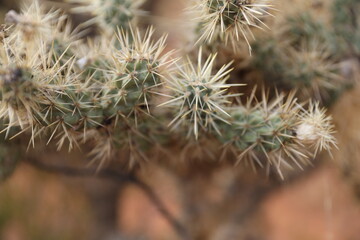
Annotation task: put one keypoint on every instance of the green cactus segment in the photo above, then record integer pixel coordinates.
(233, 10)
(133, 88)
(198, 98)
(195, 106)
(144, 137)
(118, 13)
(303, 27)
(95, 70)
(268, 59)
(139, 77)
(110, 15)
(60, 52)
(17, 87)
(76, 109)
(256, 130)
(199, 95)
(229, 21)
(138, 137)
(346, 21)
(305, 61)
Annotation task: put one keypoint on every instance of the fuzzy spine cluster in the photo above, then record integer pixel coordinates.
(301, 54)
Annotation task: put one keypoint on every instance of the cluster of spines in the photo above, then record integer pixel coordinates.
(276, 134)
(50, 92)
(108, 15)
(229, 21)
(107, 99)
(300, 55)
(346, 22)
(135, 73)
(199, 95)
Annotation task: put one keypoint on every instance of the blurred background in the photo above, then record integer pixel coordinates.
(322, 204)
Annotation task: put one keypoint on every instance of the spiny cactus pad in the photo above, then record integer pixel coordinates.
(229, 21)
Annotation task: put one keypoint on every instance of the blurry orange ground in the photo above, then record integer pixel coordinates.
(320, 207)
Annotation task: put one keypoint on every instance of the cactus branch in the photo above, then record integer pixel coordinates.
(115, 176)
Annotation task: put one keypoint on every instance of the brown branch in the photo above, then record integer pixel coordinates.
(110, 174)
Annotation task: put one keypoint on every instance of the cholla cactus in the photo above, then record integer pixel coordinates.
(26, 79)
(264, 130)
(109, 14)
(302, 28)
(311, 70)
(200, 95)
(277, 133)
(121, 97)
(103, 92)
(136, 70)
(33, 22)
(46, 94)
(229, 21)
(301, 56)
(315, 128)
(346, 23)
